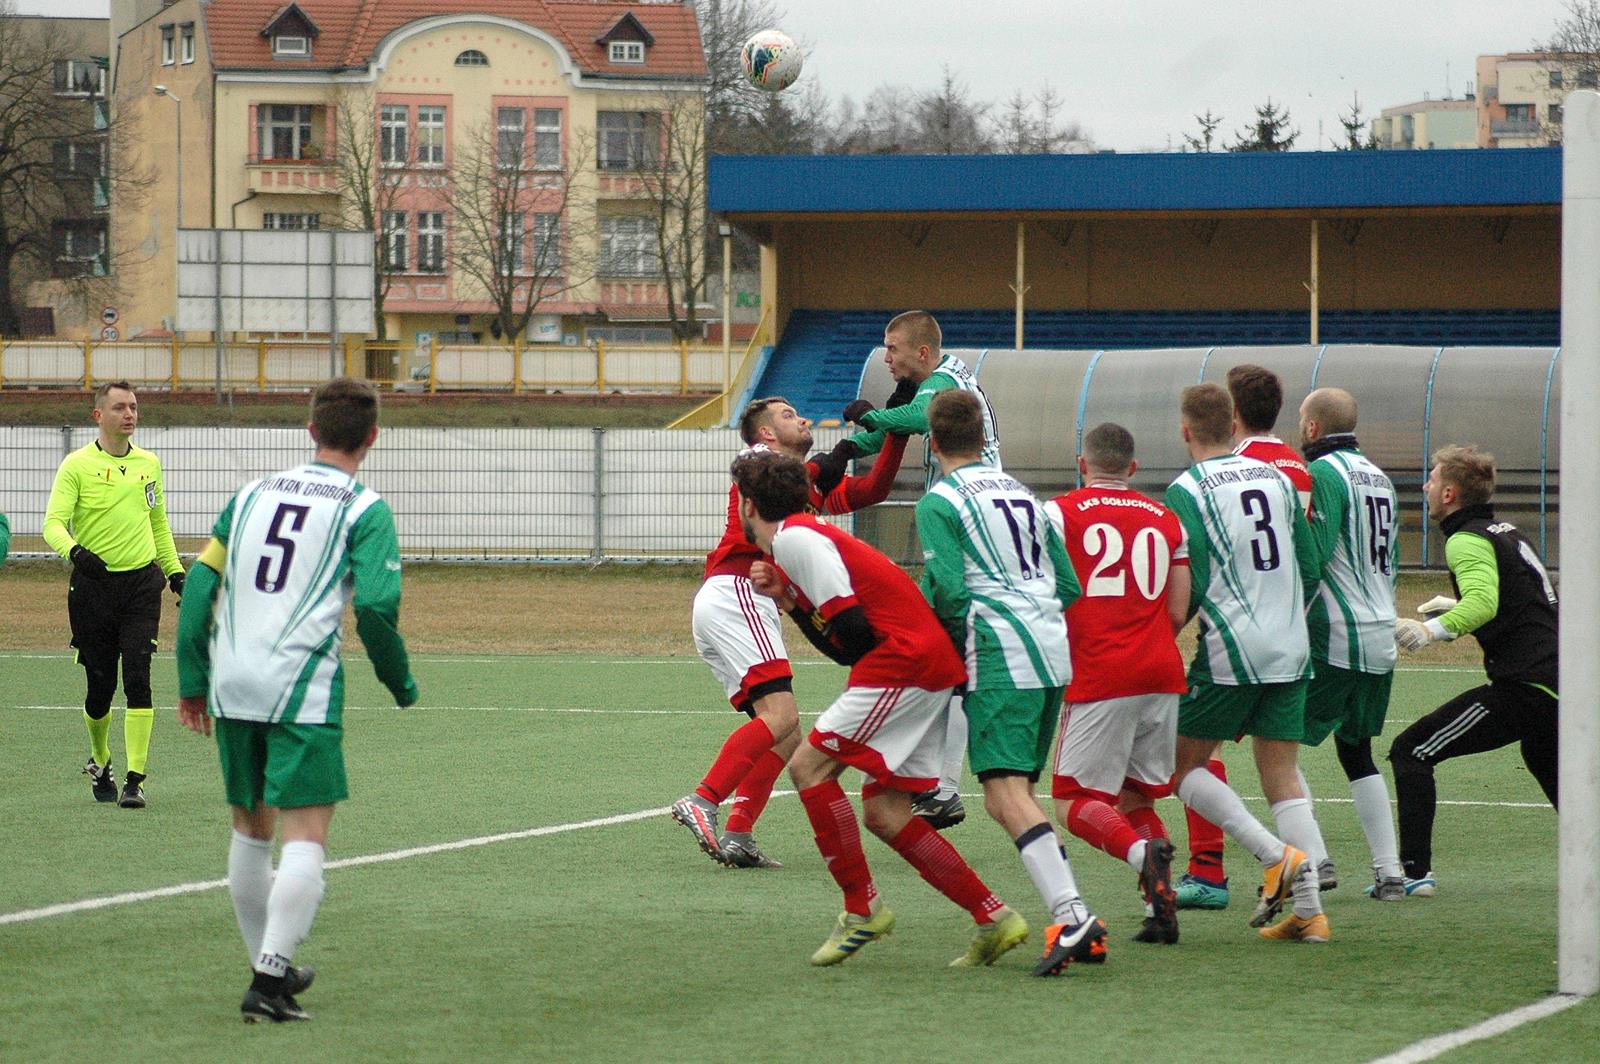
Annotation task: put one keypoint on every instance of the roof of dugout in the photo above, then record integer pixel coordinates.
(1454, 179)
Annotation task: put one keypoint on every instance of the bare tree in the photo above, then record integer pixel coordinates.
(732, 104)
(61, 161)
(674, 180)
(949, 121)
(515, 233)
(366, 192)
(1031, 125)
(1206, 141)
(1573, 50)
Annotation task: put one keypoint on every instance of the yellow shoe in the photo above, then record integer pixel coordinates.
(1294, 928)
(1277, 883)
(851, 933)
(1006, 931)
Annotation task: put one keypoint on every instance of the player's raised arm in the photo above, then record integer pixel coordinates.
(375, 566)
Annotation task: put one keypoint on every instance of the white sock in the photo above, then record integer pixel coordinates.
(296, 893)
(1051, 874)
(1372, 806)
(1299, 829)
(955, 748)
(1136, 854)
(1320, 853)
(249, 883)
(1215, 800)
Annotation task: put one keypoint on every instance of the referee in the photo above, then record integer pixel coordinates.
(108, 516)
(1504, 598)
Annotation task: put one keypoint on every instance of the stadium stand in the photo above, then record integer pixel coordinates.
(817, 365)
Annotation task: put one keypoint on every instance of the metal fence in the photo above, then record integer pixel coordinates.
(575, 495)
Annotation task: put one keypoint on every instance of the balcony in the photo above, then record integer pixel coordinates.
(1522, 129)
(309, 175)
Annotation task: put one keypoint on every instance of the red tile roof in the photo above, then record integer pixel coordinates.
(352, 29)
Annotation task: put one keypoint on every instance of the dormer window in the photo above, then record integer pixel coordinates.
(626, 41)
(285, 45)
(291, 32)
(627, 51)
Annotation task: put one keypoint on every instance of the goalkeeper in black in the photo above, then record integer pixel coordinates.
(108, 516)
(1504, 598)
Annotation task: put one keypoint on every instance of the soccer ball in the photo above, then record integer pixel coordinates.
(771, 60)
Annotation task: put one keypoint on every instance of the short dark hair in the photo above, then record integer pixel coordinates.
(955, 421)
(1108, 447)
(343, 412)
(1470, 471)
(777, 483)
(757, 413)
(1208, 412)
(102, 389)
(919, 328)
(1257, 396)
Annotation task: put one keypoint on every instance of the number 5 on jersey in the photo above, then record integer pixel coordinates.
(277, 536)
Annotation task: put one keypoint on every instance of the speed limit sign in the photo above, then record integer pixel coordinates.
(109, 333)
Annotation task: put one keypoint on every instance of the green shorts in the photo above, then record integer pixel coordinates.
(282, 765)
(1011, 730)
(1263, 710)
(1351, 705)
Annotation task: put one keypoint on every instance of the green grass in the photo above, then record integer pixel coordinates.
(624, 942)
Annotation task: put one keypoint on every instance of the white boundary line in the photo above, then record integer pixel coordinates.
(1438, 1045)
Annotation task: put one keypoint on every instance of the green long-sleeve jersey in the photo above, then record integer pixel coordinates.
(116, 507)
(951, 372)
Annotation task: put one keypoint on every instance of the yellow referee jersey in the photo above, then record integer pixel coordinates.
(116, 507)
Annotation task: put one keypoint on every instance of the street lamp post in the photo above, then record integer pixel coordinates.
(725, 231)
(216, 331)
(161, 90)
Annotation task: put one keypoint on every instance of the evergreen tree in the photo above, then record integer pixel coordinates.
(1270, 132)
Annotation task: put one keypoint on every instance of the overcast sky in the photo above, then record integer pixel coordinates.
(1135, 73)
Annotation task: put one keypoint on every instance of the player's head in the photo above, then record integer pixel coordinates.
(955, 425)
(772, 486)
(1107, 452)
(116, 408)
(1326, 412)
(911, 344)
(1461, 476)
(1257, 396)
(774, 422)
(1207, 415)
(344, 415)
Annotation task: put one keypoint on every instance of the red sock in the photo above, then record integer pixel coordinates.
(747, 743)
(751, 797)
(1101, 826)
(838, 833)
(945, 869)
(1205, 838)
(1147, 822)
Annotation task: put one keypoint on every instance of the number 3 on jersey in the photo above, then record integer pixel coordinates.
(266, 579)
(1148, 562)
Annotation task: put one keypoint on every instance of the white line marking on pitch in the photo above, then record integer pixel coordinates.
(1438, 1045)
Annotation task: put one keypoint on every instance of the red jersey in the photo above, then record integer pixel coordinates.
(1284, 459)
(733, 553)
(1123, 546)
(829, 571)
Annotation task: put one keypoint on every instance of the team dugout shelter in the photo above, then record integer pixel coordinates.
(1094, 287)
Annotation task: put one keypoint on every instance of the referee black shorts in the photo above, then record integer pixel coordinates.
(119, 613)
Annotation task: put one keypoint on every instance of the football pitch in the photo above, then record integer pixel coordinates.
(505, 884)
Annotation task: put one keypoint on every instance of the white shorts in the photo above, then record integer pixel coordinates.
(737, 632)
(893, 734)
(1117, 743)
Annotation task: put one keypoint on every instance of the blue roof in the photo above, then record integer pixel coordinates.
(1223, 181)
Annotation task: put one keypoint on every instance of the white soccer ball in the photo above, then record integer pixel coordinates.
(771, 60)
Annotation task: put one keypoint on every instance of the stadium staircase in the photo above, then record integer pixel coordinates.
(818, 363)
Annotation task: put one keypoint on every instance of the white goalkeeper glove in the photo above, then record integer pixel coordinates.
(1412, 634)
(1437, 605)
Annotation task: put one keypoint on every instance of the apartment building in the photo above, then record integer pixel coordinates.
(503, 139)
(1520, 94)
(1428, 124)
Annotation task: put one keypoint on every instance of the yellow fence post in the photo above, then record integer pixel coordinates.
(261, 365)
(683, 367)
(175, 377)
(516, 365)
(349, 368)
(600, 367)
(2, 362)
(88, 371)
(433, 365)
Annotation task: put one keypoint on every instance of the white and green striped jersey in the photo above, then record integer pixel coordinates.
(998, 578)
(301, 545)
(1354, 528)
(950, 373)
(1250, 562)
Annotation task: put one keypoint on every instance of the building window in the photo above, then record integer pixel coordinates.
(629, 140)
(628, 246)
(430, 241)
(430, 136)
(79, 77)
(1519, 112)
(1555, 78)
(393, 120)
(547, 244)
(291, 47)
(168, 51)
(80, 158)
(511, 236)
(1554, 114)
(291, 222)
(187, 42)
(510, 137)
(627, 51)
(547, 138)
(472, 57)
(394, 240)
(80, 249)
(283, 132)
